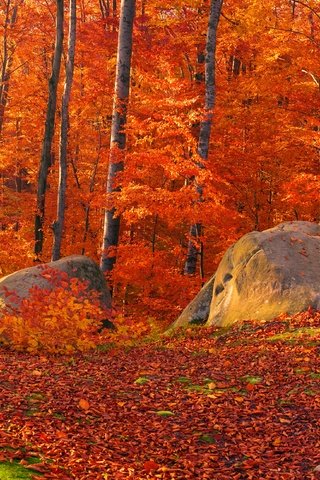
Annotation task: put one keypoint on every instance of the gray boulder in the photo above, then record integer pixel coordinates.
(268, 273)
(261, 276)
(46, 276)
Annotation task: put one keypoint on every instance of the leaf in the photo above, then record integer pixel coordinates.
(164, 413)
(84, 404)
(142, 380)
(38, 467)
(239, 399)
(211, 385)
(250, 387)
(150, 465)
(284, 420)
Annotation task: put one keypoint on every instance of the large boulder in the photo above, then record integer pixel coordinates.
(268, 273)
(46, 276)
(261, 276)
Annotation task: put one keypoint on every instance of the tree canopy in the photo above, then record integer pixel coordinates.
(263, 161)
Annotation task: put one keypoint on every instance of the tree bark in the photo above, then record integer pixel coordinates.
(63, 147)
(205, 126)
(118, 135)
(104, 8)
(7, 59)
(45, 161)
(87, 206)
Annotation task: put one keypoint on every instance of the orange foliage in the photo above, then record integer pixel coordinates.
(263, 162)
(62, 320)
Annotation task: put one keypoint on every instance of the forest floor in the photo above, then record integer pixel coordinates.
(243, 403)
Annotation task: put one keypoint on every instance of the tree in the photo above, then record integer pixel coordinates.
(118, 134)
(264, 148)
(59, 223)
(8, 48)
(45, 161)
(205, 126)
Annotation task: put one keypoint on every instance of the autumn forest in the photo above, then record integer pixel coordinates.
(150, 136)
(263, 157)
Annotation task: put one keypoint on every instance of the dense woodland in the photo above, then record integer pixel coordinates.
(150, 135)
(263, 162)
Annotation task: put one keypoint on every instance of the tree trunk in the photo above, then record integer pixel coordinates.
(205, 126)
(7, 59)
(104, 8)
(45, 161)
(61, 204)
(118, 135)
(87, 206)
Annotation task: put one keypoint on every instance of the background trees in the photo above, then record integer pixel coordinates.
(46, 153)
(263, 162)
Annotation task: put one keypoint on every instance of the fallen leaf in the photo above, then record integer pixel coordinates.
(150, 465)
(276, 442)
(141, 380)
(239, 399)
(211, 386)
(284, 420)
(84, 404)
(164, 413)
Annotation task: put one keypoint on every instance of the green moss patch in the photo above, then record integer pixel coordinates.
(15, 471)
(293, 336)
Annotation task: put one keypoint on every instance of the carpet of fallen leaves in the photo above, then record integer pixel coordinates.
(199, 404)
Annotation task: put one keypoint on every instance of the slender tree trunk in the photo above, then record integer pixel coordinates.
(118, 135)
(7, 59)
(104, 8)
(45, 161)
(205, 127)
(61, 204)
(87, 206)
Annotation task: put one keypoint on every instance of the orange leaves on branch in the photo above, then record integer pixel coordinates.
(63, 320)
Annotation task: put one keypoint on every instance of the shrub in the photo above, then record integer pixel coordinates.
(63, 319)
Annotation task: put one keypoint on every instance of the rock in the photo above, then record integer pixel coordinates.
(197, 311)
(268, 273)
(260, 277)
(75, 266)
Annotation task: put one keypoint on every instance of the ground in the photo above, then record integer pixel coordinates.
(243, 403)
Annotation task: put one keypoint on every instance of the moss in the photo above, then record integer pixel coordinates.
(293, 336)
(253, 380)
(15, 471)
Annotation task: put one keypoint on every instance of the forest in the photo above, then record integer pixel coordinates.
(263, 161)
(150, 136)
